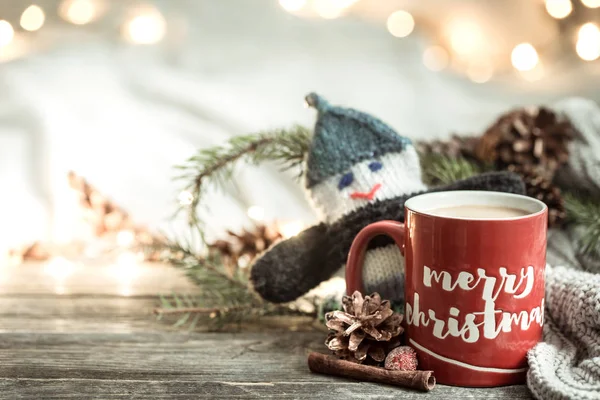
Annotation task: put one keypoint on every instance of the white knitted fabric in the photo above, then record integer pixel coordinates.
(400, 174)
(383, 272)
(567, 364)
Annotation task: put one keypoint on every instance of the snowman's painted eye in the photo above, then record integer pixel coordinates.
(375, 166)
(346, 180)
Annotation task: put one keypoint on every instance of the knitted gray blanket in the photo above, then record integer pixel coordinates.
(566, 365)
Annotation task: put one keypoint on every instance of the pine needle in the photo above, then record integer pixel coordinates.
(215, 166)
(442, 170)
(585, 212)
(224, 297)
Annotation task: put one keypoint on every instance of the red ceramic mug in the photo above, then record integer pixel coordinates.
(474, 287)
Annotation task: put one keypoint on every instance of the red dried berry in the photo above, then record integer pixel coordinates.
(401, 358)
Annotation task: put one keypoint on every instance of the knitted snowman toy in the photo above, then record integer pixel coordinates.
(359, 171)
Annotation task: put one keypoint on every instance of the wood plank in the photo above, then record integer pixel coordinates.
(105, 278)
(88, 336)
(333, 389)
(75, 313)
(247, 365)
(104, 313)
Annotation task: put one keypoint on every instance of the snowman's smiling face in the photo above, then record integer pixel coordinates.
(389, 176)
(348, 178)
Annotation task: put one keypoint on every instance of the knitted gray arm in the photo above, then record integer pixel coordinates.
(292, 267)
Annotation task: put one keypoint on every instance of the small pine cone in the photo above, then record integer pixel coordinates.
(365, 331)
(527, 136)
(402, 358)
(248, 244)
(541, 188)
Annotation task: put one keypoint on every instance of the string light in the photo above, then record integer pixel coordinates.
(148, 27)
(6, 33)
(32, 18)
(588, 42)
(292, 5)
(524, 57)
(59, 268)
(588, 30)
(480, 72)
(466, 37)
(78, 12)
(559, 9)
(291, 229)
(435, 58)
(185, 198)
(126, 270)
(127, 259)
(327, 9)
(591, 3)
(400, 23)
(125, 238)
(256, 213)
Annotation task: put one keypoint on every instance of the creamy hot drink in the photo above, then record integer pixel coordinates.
(472, 211)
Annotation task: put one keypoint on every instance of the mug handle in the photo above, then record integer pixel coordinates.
(356, 256)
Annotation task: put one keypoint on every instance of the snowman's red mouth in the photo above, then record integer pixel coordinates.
(366, 195)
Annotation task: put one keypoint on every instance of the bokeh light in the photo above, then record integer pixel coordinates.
(78, 12)
(185, 198)
(327, 9)
(59, 268)
(32, 18)
(524, 57)
(400, 23)
(7, 33)
(125, 238)
(291, 229)
(292, 5)
(466, 37)
(559, 9)
(588, 42)
(148, 27)
(256, 213)
(591, 3)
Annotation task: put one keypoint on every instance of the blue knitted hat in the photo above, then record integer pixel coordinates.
(344, 137)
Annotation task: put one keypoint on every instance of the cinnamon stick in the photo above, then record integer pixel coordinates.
(323, 364)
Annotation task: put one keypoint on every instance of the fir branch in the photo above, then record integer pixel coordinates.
(225, 296)
(194, 310)
(585, 212)
(215, 166)
(221, 316)
(442, 170)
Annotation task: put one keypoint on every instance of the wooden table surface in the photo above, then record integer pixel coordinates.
(90, 333)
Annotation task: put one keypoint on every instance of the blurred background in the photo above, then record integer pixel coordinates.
(119, 91)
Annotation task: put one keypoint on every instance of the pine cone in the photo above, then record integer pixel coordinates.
(527, 136)
(36, 252)
(365, 331)
(245, 246)
(104, 216)
(541, 188)
(455, 147)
